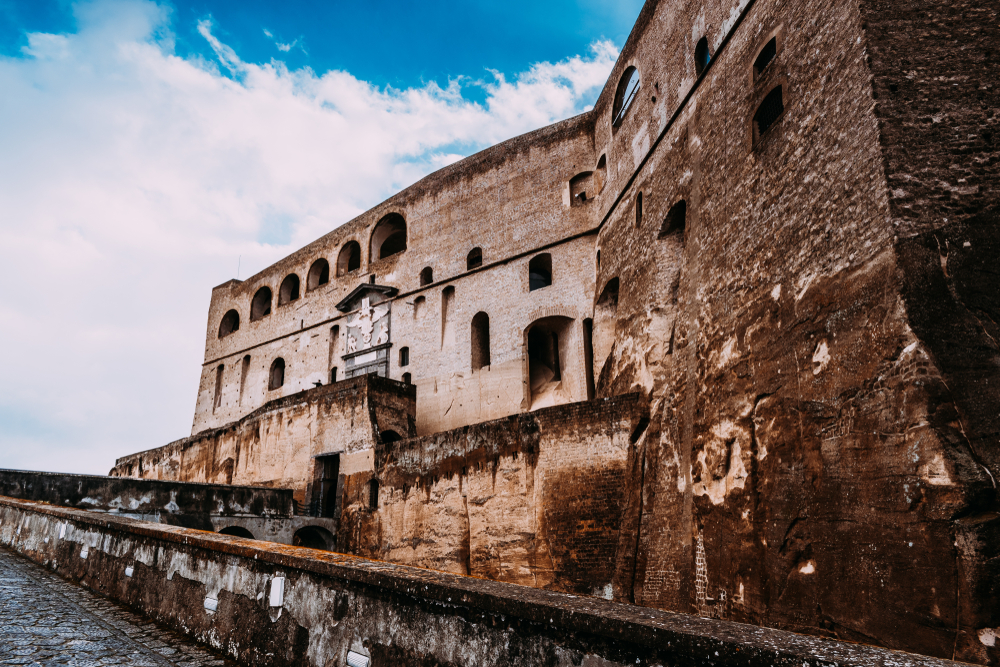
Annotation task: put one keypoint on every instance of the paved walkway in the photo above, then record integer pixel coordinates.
(45, 620)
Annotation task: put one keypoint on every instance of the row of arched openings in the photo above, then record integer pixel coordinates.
(388, 238)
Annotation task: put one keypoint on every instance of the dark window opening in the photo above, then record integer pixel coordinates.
(480, 341)
(588, 355)
(765, 57)
(237, 531)
(230, 323)
(407, 378)
(598, 259)
(404, 356)
(426, 276)
(638, 210)
(544, 341)
(675, 222)
(388, 237)
(628, 88)
(581, 188)
(319, 274)
(333, 375)
(261, 304)
(373, 494)
(601, 174)
(701, 56)
(769, 111)
(276, 378)
(474, 259)
(390, 436)
(217, 401)
(289, 290)
(539, 272)
(349, 258)
(329, 470)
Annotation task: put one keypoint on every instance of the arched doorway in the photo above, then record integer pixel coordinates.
(314, 537)
(237, 531)
(547, 344)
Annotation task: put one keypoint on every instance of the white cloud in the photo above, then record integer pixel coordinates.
(133, 180)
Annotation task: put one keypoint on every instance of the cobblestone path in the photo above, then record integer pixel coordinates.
(45, 620)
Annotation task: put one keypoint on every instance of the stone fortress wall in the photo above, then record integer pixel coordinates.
(786, 248)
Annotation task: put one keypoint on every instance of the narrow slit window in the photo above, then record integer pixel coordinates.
(769, 111)
(765, 57)
(638, 211)
(217, 401)
(701, 56)
(404, 356)
(373, 494)
(480, 341)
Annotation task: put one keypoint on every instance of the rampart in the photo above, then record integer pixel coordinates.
(267, 604)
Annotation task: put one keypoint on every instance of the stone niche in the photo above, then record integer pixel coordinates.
(368, 338)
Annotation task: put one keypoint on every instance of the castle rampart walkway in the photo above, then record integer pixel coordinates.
(45, 620)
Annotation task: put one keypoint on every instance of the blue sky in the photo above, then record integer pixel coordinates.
(394, 43)
(152, 148)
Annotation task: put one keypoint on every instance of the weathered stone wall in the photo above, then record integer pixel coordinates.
(806, 465)
(509, 202)
(276, 446)
(535, 499)
(277, 605)
(187, 505)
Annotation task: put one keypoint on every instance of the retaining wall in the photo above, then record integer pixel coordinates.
(267, 604)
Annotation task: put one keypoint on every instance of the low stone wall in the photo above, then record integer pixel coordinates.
(266, 604)
(187, 504)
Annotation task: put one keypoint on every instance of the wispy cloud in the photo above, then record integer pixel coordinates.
(134, 180)
(285, 48)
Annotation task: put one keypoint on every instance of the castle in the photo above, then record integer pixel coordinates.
(724, 345)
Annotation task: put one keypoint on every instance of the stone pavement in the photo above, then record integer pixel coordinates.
(45, 620)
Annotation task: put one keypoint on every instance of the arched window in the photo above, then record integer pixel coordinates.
(289, 290)
(628, 89)
(480, 341)
(419, 307)
(546, 340)
(319, 274)
(768, 112)
(388, 237)
(539, 271)
(349, 258)
(404, 356)
(701, 56)
(261, 304)
(426, 276)
(581, 188)
(474, 259)
(675, 222)
(765, 57)
(276, 378)
(230, 323)
(407, 378)
(638, 210)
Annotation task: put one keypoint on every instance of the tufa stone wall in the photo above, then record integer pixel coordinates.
(535, 499)
(267, 604)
